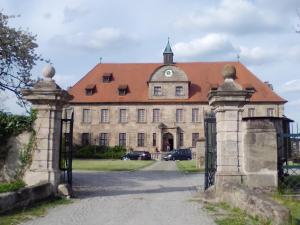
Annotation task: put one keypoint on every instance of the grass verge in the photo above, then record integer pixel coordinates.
(226, 215)
(13, 186)
(110, 165)
(188, 166)
(37, 210)
(292, 204)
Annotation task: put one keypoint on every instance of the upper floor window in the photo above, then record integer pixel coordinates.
(123, 89)
(179, 115)
(86, 115)
(251, 112)
(141, 116)
(123, 116)
(103, 139)
(107, 77)
(141, 139)
(90, 89)
(157, 91)
(156, 115)
(195, 115)
(179, 91)
(270, 112)
(104, 117)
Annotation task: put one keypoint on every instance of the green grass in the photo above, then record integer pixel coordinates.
(224, 214)
(13, 186)
(292, 204)
(188, 166)
(110, 165)
(38, 210)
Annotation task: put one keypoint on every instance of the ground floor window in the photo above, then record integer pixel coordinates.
(122, 139)
(154, 139)
(103, 139)
(85, 139)
(181, 139)
(195, 138)
(141, 139)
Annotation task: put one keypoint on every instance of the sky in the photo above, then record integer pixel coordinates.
(75, 34)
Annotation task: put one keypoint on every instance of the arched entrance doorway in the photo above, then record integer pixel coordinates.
(168, 142)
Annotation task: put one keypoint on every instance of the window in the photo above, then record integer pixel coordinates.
(85, 139)
(86, 115)
(180, 139)
(104, 117)
(103, 139)
(179, 91)
(195, 115)
(156, 115)
(141, 115)
(141, 140)
(179, 115)
(157, 91)
(122, 139)
(90, 89)
(251, 112)
(107, 77)
(68, 113)
(154, 139)
(123, 116)
(270, 112)
(195, 138)
(123, 89)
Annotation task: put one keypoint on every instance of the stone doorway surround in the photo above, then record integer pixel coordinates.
(168, 140)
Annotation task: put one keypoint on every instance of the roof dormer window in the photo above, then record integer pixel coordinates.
(90, 89)
(123, 89)
(107, 77)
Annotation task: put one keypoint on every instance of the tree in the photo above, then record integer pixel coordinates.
(17, 58)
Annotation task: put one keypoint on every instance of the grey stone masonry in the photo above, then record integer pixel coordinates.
(47, 99)
(228, 101)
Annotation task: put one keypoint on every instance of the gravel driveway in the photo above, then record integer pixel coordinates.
(157, 195)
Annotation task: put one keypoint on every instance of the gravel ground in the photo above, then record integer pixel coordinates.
(156, 195)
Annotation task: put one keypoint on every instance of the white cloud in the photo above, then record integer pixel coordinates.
(209, 45)
(294, 103)
(258, 55)
(291, 86)
(72, 13)
(98, 39)
(236, 16)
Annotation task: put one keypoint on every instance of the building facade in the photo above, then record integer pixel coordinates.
(157, 106)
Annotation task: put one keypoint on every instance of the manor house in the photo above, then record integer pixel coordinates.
(157, 106)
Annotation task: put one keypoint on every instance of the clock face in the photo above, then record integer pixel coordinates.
(168, 73)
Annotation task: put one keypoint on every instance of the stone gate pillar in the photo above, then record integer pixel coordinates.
(228, 101)
(47, 99)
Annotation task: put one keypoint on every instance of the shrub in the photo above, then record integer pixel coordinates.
(7, 187)
(99, 152)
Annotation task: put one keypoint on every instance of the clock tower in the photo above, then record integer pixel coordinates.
(168, 54)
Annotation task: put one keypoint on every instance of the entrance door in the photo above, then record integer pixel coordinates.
(168, 142)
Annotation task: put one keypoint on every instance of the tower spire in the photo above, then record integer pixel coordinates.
(168, 54)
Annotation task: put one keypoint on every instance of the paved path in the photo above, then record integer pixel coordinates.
(157, 195)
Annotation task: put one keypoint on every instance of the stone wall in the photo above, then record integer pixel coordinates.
(24, 197)
(12, 163)
(260, 153)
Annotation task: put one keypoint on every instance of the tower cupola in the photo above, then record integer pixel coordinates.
(168, 54)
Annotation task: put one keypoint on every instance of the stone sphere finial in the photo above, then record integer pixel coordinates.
(229, 72)
(48, 72)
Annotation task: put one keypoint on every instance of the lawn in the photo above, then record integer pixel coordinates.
(188, 166)
(110, 165)
(38, 210)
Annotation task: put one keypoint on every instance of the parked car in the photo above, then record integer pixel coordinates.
(179, 154)
(135, 155)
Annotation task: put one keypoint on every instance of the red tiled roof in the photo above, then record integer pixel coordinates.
(202, 75)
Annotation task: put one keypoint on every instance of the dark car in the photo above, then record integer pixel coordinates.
(135, 155)
(179, 154)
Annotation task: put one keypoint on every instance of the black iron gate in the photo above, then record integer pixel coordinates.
(66, 148)
(210, 150)
(288, 144)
